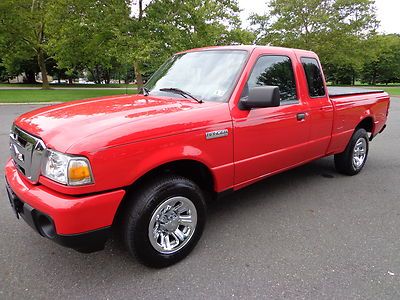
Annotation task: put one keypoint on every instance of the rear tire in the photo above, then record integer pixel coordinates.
(352, 160)
(164, 221)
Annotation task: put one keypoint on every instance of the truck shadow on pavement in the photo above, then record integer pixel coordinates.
(264, 197)
(276, 187)
(268, 191)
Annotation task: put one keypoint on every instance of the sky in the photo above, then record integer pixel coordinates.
(388, 12)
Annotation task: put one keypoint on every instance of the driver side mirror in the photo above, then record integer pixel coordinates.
(260, 97)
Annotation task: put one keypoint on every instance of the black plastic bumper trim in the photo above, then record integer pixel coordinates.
(85, 242)
(380, 131)
(383, 128)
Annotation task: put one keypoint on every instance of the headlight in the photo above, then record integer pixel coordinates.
(66, 169)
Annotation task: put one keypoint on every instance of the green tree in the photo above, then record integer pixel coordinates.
(3, 73)
(335, 29)
(16, 65)
(383, 66)
(102, 36)
(165, 27)
(23, 31)
(84, 35)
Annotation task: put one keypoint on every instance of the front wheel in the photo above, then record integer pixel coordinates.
(164, 221)
(353, 158)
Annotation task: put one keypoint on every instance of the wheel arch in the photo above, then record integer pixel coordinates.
(189, 168)
(367, 123)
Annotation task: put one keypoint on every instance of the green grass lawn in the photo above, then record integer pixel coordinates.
(32, 96)
(392, 91)
(75, 85)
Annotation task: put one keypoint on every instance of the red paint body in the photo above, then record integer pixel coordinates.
(125, 137)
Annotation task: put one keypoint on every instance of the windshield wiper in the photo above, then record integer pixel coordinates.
(145, 91)
(181, 92)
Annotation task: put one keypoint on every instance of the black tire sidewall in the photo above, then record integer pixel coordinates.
(360, 133)
(150, 200)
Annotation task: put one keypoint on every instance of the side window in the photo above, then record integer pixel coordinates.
(277, 71)
(314, 77)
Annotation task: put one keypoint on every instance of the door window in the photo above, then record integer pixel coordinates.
(276, 71)
(315, 80)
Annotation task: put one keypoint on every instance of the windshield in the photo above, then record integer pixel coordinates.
(207, 75)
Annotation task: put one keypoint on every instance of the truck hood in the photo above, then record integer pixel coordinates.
(114, 120)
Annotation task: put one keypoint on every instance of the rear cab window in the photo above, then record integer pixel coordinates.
(315, 81)
(275, 70)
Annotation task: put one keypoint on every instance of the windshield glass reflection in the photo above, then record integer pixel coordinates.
(208, 75)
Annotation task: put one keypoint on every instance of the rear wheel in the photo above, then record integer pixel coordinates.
(353, 158)
(164, 221)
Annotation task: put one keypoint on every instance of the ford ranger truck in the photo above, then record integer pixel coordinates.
(209, 121)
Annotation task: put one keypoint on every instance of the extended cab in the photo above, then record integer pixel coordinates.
(209, 121)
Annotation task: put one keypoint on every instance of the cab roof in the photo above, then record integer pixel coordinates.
(250, 48)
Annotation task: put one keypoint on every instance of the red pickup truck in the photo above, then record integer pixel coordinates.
(209, 121)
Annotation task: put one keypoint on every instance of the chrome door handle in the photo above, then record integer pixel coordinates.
(301, 116)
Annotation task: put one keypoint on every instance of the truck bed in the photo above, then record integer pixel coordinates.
(335, 91)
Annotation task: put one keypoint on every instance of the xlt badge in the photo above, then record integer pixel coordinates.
(216, 134)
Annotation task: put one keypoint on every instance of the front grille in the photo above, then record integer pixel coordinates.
(27, 152)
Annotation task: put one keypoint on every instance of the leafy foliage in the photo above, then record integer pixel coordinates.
(335, 29)
(84, 35)
(165, 27)
(22, 31)
(384, 65)
(103, 40)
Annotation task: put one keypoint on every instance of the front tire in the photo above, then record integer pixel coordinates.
(164, 221)
(353, 158)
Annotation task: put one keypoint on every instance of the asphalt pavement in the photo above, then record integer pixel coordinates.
(308, 233)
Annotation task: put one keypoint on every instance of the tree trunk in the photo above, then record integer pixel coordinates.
(107, 77)
(43, 70)
(138, 76)
(97, 75)
(140, 10)
(136, 66)
(92, 73)
(29, 77)
(126, 78)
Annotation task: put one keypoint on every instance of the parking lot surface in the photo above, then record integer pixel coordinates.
(307, 233)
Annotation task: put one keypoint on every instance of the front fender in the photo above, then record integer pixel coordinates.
(121, 166)
(216, 155)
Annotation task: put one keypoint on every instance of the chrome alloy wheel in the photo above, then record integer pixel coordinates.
(172, 225)
(359, 153)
